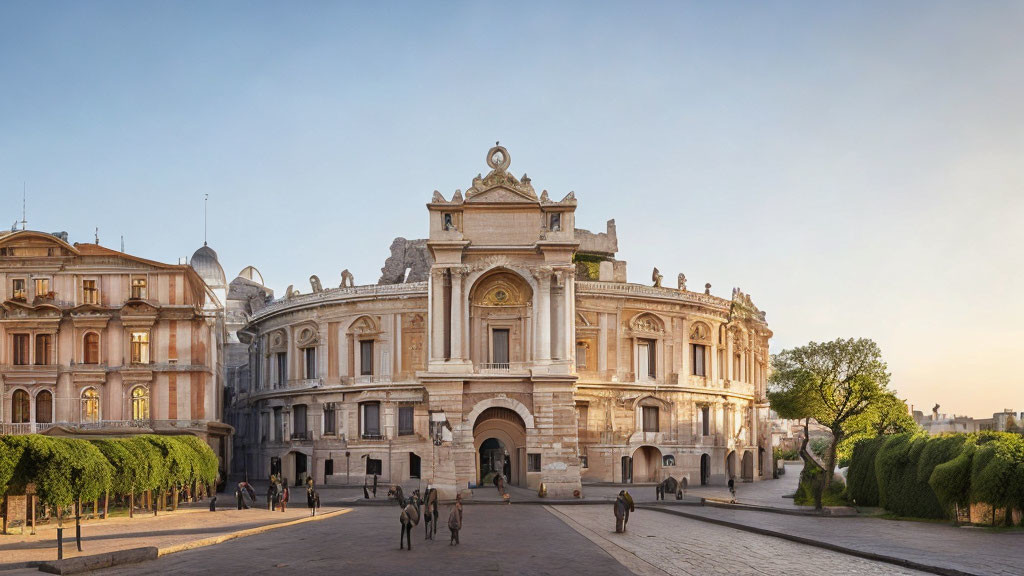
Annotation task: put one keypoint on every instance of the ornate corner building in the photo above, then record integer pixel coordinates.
(507, 342)
(95, 342)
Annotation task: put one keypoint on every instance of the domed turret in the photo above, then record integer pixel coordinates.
(205, 263)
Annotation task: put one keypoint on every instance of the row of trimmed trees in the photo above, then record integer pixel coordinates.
(940, 476)
(68, 471)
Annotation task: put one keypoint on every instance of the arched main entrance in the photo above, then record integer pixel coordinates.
(646, 464)
(499, 437)
(705, 469)
(730, 465)
(748, 465)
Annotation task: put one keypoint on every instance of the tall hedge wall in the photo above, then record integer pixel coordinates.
(925, 477)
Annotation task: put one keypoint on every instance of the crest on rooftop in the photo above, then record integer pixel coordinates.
(499, 185)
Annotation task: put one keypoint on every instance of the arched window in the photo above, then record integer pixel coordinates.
(140, 403)
(19, 407)
(90, 405)
(91, 346)
(44, 407)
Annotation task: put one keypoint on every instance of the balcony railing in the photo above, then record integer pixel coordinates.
(7, 428)
(500, 367)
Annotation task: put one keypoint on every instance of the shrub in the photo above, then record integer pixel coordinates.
(862, 485)
(951, 481)
(11, 450)
(63, 469)
(131, 465)
(899, 489)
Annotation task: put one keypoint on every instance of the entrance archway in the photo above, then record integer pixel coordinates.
(748, 465)
(730, 465)
(301, 468)
(646, 464)
(499, 437)
(705, 469)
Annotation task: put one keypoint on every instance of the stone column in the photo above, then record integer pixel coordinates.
(457, 321)
(543, 329)
(436, 315)
(729, 356)
(684, 368)
(602, 343)
(569, 327)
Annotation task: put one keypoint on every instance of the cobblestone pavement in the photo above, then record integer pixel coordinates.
(663, 544)
(167, 529)
(972, 550)
(525, 540)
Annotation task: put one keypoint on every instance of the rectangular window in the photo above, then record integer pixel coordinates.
(299, 421)
(647, 360)
(414, 465)
(140, 347)
(329, 467)
(18, 289)
(139, 288)
(42, 287)
(499, 347)
(705, 419)
(44, 349)
(650, 416)
(533, 462)
(582, 414)
(282, 368)
(90, 294)
(697, 357)
(581, 356)
(330, 420)
(366, 357)
(405, 426)
(369, 420)
(309, 355)
(373, 466)
(20, 355)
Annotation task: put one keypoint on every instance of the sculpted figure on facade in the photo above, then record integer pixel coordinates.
(314, 283)
(347, 281)
(682, 282)
(707, 288)
(656, 277)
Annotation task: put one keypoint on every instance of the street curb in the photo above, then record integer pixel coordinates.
(249, 532)
(545, 502)
(97, 561)
(135, 555)
(943, 571)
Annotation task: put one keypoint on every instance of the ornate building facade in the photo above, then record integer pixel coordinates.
(96, 342)
(508, 341)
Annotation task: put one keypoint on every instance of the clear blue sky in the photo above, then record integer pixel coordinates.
(857, 168)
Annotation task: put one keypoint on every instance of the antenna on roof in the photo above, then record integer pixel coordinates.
(206, 199)
(23, 196)
(97, 235)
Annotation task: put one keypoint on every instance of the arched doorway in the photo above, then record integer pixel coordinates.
(705, 469)
(646, 464)
(499, 437)
(760, 462)
(748, 465)
(730, 465)
(301, 468)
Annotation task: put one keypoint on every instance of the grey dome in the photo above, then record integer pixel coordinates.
(205, 263)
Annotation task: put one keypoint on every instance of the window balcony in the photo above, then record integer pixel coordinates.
(501, 368)
(8, 429)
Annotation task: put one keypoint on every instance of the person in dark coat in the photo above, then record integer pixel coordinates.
(455, 521)
(310, 492)
(374, 485)
(732, 489)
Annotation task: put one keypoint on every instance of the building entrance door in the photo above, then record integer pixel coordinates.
(627, 470)
(301, 467)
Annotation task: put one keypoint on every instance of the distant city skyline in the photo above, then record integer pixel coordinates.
(854, 168)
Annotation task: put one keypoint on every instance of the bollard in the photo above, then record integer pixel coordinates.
(60, 543)
(78, 524)
(213, 504)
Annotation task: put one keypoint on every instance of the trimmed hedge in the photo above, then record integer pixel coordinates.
(69, 469)
(927, 477)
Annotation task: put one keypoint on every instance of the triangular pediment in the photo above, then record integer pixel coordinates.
(138, 308)
(499, 194)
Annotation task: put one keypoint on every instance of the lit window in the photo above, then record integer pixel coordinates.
(140, 403)
(42, 287)
(18, 289)
(139, 288)
(140, 347)
(90, 405)
(90, 294)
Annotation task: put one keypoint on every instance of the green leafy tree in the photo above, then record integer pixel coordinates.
(11, 450)
(886, 415)
(63, 469)
(831, 382)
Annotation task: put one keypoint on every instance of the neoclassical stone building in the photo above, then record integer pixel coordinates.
(97, 342)
(507, 341)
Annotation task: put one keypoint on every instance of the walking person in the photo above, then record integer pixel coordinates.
(284, 494)
(732, 488)
(455, 521)
(272, 494)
